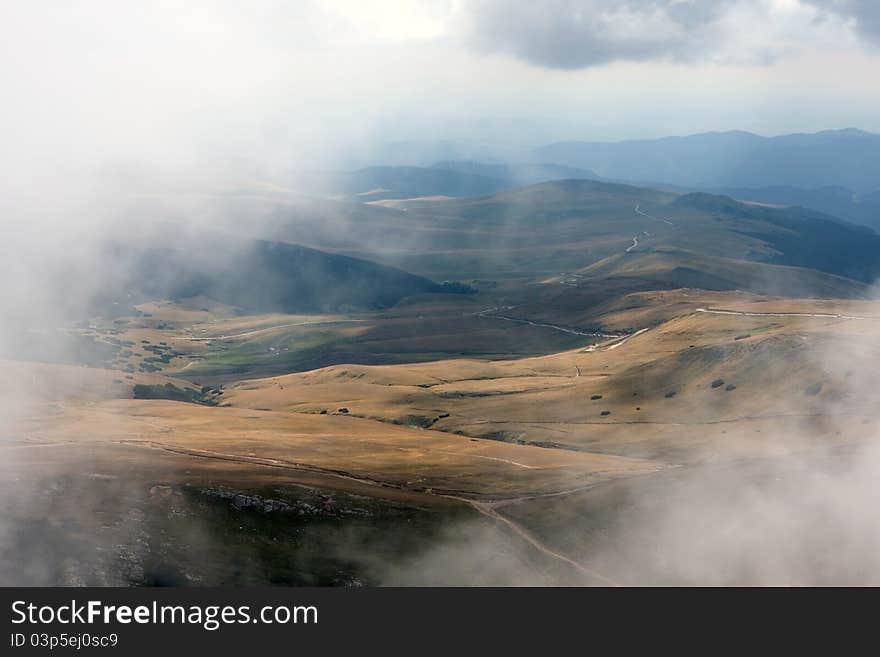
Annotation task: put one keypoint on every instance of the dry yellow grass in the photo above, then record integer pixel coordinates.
(510, 438)
(498, 429)
(337, 446)
(28, 382)
(649, 396)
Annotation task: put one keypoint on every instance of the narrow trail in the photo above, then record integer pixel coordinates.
(532, 540)
(257, 460)
(743, 313)
(485, 508)
(268, 329)
(696, 423)
(495, 504)
(492, 458)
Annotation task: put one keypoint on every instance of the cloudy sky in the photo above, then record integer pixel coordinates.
(90, 82)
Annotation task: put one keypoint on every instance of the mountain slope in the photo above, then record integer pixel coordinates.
(794, 236)
(568, 220)
(539, 231)
(256, 276)
(837, 201)
(678, 268)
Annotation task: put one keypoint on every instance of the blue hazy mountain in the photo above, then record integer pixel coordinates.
(847, 158)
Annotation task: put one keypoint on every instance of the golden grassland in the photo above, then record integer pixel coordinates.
(338, 447)
(647, 396)
(688, 388)
(700, 380)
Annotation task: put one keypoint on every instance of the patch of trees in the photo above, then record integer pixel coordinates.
(420, 421)
(172, 392)
(456, 287)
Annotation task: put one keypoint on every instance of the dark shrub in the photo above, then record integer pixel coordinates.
(172, 392)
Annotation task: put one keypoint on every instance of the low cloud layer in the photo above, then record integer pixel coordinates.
(571, 34)
(864, 15)
(577, 34)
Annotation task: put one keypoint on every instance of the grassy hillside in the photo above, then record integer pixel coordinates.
(837, 201)
(678, 268)
(540, 231)
(254, 276)
(551, 453)
(734, 376)
(792, 236)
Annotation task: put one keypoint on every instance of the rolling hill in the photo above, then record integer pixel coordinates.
(384, 182)
(539, 231)
(456, 178)
(517, 174)
(837, 201)
(625, 339)
(254, 276)
(678, 268)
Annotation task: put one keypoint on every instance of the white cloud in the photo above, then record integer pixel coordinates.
(396, 21)
(576, 34)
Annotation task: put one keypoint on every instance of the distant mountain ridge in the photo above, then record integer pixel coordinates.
(832, 171)
(846, 158)
(395, 182)
(517, 174)
(456, 178)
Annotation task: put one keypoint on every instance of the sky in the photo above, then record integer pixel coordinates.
(201, 85)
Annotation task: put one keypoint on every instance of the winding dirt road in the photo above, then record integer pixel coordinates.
(590, 334)
(638, 210)
(636, 241)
